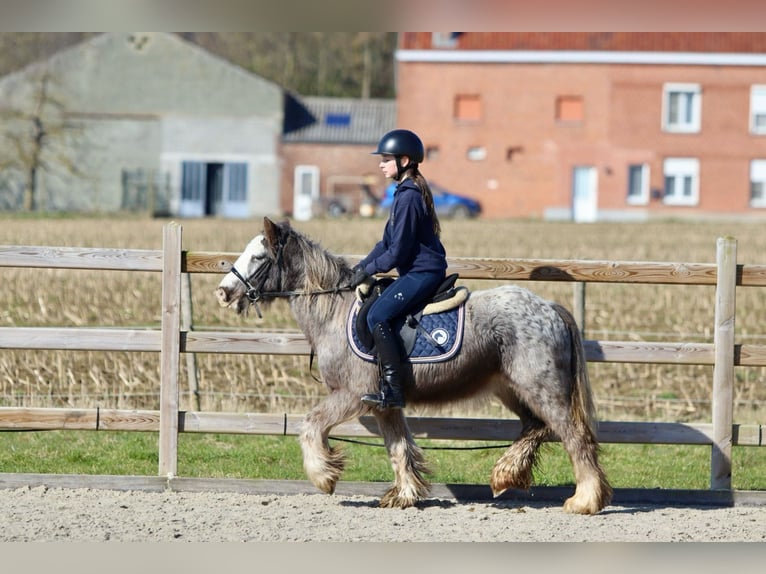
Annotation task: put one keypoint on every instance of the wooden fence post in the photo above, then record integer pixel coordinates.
(723, 370)
(579, 305)
(187, 324)
(170, 348)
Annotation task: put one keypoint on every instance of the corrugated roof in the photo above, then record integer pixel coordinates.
(342, 120)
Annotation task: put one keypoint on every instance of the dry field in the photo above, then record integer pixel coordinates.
(41, 297)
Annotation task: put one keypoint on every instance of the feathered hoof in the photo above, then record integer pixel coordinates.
(325, 473)
(327, 486)
(574, 506)
(590, 497)
(497, 492)
(504, 477)
(393, 498)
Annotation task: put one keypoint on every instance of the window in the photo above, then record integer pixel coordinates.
(511, 151)
(638, 184)
(758, 110)
(758, 183)
(467, 107)
(681, 181)
(476, 153)
(569, 109)
(682, 104)
(432, 152)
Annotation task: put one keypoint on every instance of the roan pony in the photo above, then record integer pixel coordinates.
(525, 351)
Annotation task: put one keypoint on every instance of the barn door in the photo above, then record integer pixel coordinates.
(234, 202)
(193, 189)
(213, 188)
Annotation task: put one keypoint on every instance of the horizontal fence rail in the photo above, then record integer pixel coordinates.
(468, 267)
(294, 343)
(365, 427)
(171, 340)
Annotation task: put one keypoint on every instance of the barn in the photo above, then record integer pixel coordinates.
(141, 121)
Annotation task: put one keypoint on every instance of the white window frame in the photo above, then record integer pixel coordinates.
(690, 108)
(476, 153)
(682, 170)
(642, 197)
(758, 174)
(758, 109)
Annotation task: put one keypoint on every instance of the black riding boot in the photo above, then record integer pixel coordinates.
(390, 360)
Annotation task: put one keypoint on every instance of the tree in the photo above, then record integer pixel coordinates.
(17, 49)
(341, 64)
(36, 140)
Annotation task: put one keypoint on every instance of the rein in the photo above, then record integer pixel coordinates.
(254, 292)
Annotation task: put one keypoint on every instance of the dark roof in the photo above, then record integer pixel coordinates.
(705, 42)
(337, 120)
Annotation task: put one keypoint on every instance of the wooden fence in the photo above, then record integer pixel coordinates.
(172, 340)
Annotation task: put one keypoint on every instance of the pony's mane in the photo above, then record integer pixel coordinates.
(320, 268)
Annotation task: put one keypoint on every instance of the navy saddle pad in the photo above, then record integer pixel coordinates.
(433, 338)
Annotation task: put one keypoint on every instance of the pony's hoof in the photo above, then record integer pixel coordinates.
(327, 488)
(497, 492)
(572, 506)
(394, 499)
(396, 503)
(506, 474)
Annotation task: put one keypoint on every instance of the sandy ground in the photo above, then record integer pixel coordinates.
(62, 514)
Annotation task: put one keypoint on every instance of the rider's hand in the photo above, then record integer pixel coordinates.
(359, 276)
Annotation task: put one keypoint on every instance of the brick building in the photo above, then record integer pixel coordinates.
(591, 126)
(325, 153)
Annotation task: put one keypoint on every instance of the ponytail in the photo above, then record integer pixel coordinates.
(428, 198)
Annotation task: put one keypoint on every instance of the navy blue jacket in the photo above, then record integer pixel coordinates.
(409, 243)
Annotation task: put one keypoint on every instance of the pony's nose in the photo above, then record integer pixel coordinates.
(223, 296)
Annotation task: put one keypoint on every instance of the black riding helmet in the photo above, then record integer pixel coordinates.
(398, 143)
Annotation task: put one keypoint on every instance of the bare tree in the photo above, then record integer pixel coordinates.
(19, 49)
(345, 64)
(37, 140)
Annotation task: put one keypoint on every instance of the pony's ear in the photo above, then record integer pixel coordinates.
(271, 233)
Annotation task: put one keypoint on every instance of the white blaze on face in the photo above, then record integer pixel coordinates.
(231, 289)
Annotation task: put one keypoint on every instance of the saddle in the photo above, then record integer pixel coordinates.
(446, 298)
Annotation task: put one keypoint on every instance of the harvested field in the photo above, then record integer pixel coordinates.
(43, 297)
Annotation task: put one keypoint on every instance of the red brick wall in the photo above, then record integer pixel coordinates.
(518, 113)
(622, 125)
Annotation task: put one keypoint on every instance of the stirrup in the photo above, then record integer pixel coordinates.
(383, 401)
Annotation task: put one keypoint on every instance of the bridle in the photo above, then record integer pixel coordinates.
(255, 282)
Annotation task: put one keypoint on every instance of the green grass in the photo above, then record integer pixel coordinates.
(279, 458)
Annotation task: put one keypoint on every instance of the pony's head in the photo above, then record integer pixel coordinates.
(252, 271)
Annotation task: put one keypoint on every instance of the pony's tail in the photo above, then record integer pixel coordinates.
(583, 409)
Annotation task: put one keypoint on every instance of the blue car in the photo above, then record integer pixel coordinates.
(447, 204)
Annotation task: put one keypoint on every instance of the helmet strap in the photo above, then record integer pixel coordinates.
(399, 168)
